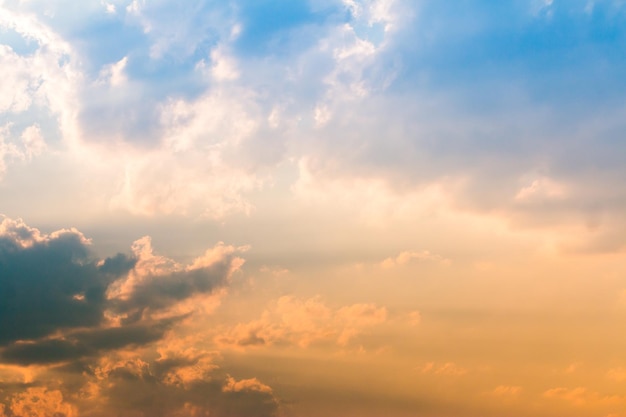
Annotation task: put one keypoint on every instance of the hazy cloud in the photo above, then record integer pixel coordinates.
(302, 322)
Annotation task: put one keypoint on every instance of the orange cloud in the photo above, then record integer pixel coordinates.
(294, 321)
(41, 402)
(252, 384)
(581, 396)
(617, 374)
(507, 390)
(448, 368)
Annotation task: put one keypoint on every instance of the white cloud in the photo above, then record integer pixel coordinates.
(26, 236)
(224, 67)
(192, 171)
(541, 188)
(31, 144)
(114, 74)
(46, 78)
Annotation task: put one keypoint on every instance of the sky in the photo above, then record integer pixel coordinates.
(292, 208)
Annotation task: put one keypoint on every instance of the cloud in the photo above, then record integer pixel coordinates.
(581, 396)
(157, 283)
(507, 390)
(59, 303)
(445, 369)
(154, 388)
(362, 92)
(49, 282)
(252, 384)
(292, 321)
(407, 256)
(78, 345)
(40, 402)
(617, 374)
(31, 144)
(97, 335)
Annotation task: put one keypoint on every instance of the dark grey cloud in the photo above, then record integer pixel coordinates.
(54, 284)
(84, 344)
(55, 296)
(159, 292)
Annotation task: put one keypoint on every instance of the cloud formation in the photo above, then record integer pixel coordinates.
(224, 102)
(292, 321)
(100, 323)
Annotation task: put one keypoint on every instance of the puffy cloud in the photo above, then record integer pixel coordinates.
(252, 384)
(41, 402)
(41, 82)
(365, 98)
(157, 283)
(31, 144)
(96, 335)
(154, 388)
(59, 303)
(50, 282)
(302, 322)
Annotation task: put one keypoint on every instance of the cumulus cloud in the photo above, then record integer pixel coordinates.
(97, 334)
(52, 283)
(30, 144)
(155, 388)
(40, 402)
(365, 98)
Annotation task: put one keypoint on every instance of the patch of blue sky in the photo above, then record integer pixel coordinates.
(571, 54)
(166, 77)
(35, 115)
(18, 43)
(269, 25)
(105, 41)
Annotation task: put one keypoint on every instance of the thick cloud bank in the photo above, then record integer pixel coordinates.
(95, 321)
